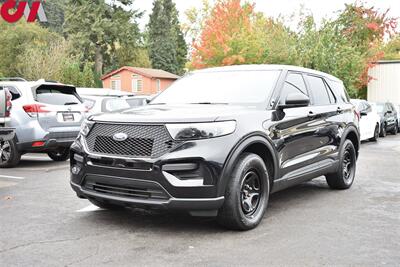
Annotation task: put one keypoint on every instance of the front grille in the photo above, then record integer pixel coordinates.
(147, 141)
(138, 189)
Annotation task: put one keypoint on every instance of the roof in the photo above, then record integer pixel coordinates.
(381, 62)
(266, 67)
(101, 92)
(150, 73)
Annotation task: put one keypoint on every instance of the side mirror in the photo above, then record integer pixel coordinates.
(295, 100)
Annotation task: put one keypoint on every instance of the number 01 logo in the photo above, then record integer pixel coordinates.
(11, 11)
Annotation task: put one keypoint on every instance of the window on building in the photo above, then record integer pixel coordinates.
(116, 85)
(137, 84)
(158, 85)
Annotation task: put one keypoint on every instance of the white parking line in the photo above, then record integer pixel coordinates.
(12, 177)
(89, 208)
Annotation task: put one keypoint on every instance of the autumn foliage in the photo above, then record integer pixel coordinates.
(346, 46)
(228, 37)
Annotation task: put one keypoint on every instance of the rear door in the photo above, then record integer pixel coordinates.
(58, 106)
(327, 118)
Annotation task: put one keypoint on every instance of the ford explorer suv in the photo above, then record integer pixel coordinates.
(46, 117)
(218, 142)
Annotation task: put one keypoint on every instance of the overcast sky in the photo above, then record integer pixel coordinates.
(320, 8)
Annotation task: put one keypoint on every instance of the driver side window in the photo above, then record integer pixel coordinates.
(294, 84)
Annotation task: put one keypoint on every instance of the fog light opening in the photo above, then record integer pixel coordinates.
(75, 169)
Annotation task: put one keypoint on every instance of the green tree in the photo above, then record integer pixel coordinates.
(392, 49)
(167, 46)
(17, 39)
(98, 28)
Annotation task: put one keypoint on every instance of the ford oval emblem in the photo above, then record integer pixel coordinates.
(120, 137)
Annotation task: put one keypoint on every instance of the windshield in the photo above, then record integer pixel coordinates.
(230, 87)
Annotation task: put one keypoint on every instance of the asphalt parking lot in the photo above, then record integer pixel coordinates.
(42, 223)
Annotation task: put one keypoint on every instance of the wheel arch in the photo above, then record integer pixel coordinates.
(257, 143)
(352, 134)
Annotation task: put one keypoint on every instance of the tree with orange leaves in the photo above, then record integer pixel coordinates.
(229, 37)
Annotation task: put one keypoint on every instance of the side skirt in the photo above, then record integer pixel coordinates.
(305, 174)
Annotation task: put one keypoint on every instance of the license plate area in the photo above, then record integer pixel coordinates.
(68, 117)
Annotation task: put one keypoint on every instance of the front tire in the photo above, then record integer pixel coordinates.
(395, 129)
(61, 154)
(247, 194)
(343, 178)
(383, 132)
(9, 154)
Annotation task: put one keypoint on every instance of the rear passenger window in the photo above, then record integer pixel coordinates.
(339, 90)
(294, 84)
(319, 91)
(15, 94)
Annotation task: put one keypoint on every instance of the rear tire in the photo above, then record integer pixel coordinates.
(247, 194)
(343, 178)
(61, 154)
(106, 206)
(9, 154)
(376, 134)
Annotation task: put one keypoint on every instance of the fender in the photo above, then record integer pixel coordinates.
(242, 144)
(351, 128)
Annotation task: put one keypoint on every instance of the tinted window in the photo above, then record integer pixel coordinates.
(15, 94)
(54, 95)
(319, 91)
(231, 87)
(294, 84)
(339, 90)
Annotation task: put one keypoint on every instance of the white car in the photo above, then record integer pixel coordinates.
(369, 119)
(101, 104)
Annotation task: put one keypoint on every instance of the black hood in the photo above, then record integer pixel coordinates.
(175, 113)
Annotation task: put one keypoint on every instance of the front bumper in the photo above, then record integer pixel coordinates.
(183, 179)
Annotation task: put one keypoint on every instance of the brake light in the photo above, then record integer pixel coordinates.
(8, 103)
(38, 144)
(34, 109)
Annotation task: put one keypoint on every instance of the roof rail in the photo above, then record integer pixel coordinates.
(13, 79)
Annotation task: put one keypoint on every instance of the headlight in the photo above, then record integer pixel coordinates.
(194, 131)
(86, 127)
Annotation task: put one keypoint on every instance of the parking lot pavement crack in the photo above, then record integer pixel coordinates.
(84, 258)
(39, 242)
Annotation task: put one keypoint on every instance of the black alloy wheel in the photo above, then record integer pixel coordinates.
(250, 193)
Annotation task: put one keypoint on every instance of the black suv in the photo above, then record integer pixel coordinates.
(218, 142)
(388, 115)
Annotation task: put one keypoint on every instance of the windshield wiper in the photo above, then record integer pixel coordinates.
(70, 103)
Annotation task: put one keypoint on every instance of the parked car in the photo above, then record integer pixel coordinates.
(218, 142)
(46, 117)
(389, 122)
(105, 92)
(397, 107)
(6, 133)
(369, 120)
(138, 101)
(100, 104)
